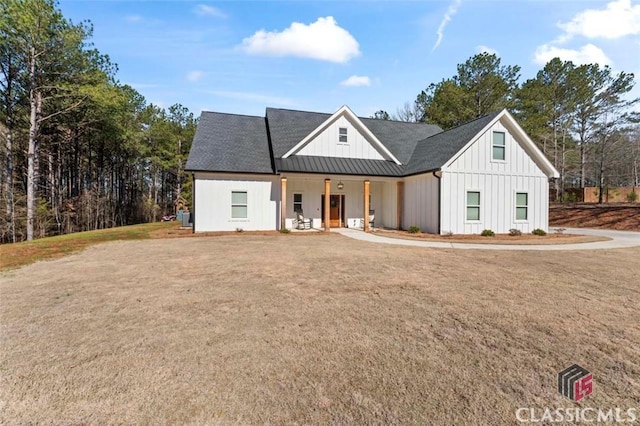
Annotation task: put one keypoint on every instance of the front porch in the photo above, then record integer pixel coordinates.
(340, 201)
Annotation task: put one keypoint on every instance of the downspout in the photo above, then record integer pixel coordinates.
(435, 174)
(192, 216)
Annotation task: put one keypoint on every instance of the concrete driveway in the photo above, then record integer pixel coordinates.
(619, 239)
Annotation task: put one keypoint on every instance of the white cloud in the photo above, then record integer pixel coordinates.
(587, 54)
(486, 49)
(206, 10)
(356, 81)
(323, 40)
(194, 76)
(254, 97)
(453, 8)
(619, 18)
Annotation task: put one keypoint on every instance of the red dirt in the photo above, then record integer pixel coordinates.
(623, 217)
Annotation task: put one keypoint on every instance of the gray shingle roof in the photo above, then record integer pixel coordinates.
(240, 143)
(340, 166)
(230, 143)
(289, 127)
(432, 153)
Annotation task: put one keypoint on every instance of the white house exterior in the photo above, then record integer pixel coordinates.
(340, 170)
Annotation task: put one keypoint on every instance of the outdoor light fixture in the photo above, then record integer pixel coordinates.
(340, 185)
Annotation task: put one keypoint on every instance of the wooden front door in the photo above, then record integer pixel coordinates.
(336, 211)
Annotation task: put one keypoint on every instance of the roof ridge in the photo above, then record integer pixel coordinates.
(299, 110)
(230, 113)
(414, 123)
(466, 123)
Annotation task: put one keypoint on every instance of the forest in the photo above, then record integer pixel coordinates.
(81, 151)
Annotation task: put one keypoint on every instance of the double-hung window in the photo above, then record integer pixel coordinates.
(342, 135)
(473, 205)
(499, 146)
(297, 203)
(239, 204)
(522, 206)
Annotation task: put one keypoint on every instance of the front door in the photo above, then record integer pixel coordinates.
(336, 211)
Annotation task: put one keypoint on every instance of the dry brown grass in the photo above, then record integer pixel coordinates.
(282, 329)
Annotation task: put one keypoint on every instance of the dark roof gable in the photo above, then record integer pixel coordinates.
(432, 153)
(230, 143)
(249, 144)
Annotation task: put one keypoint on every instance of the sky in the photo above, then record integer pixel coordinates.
(243, 56)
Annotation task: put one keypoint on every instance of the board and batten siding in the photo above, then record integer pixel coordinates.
(421, 202)
(327, 143)
(213, 202)
(498, 182)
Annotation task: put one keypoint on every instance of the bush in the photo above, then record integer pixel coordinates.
(487, 233)
(515, 232)
(632, 197)
(539, 232)
(413, 229)
(239, 229)
(284, 230)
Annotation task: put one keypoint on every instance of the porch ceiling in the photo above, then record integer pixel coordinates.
(338, 166)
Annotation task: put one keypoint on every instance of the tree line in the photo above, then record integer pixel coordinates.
(580, 116)
(80, 151)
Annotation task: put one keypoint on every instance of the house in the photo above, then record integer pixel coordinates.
(257, 173)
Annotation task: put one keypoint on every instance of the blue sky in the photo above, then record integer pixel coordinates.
(242, 56)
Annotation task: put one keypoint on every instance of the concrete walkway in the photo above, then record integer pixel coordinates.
(619, 239)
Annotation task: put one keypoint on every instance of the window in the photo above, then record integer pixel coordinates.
(238, 204)
(473, 205)
(498, 146)
(343, 134)
(297, 202)
(522, 205)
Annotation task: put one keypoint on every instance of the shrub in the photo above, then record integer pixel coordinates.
(413, 229)
(284, 230)
(239, 229)
(515, 232)
(487, 233)
(632, 197)
(539, 232)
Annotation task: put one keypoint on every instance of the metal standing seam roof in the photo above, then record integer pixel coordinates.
(248, 144)
(338, 166)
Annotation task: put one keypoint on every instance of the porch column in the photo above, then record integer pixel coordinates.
(400, 203)
(366, 205)
(283, 202)
(327, 204)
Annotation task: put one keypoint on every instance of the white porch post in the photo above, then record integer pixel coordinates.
(283, 202)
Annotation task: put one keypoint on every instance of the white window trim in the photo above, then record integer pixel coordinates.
(346, 135)
(515, 206)
(293, 202)
(480, 209)
(239, 219)
(493, 160)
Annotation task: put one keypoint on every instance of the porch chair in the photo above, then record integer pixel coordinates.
(372, 218)
(303, 223)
